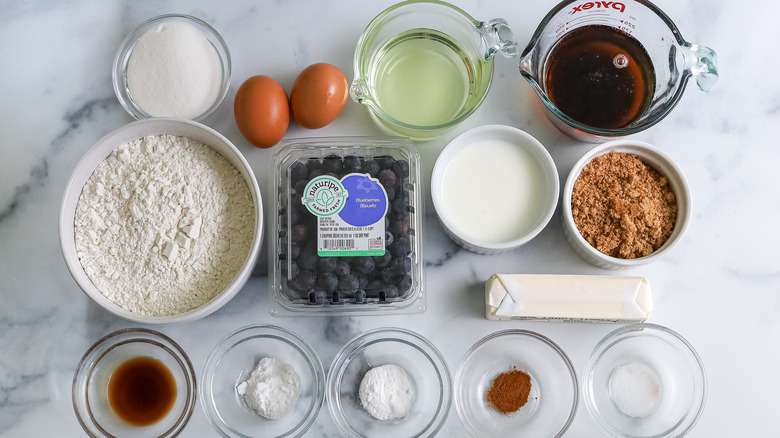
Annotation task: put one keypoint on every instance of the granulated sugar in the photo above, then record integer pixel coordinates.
(163, 225)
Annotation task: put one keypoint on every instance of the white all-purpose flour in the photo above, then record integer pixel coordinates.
(163, 225)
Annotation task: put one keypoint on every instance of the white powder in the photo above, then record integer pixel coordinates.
(386, 393)
(272, 389)
(635, 389)
(174, 71)
(163, 225)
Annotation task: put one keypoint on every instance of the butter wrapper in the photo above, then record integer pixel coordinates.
(568, 298)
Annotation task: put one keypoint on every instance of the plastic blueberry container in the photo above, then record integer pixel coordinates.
(346, 225)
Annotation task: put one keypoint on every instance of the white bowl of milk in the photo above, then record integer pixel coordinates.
(494, 188)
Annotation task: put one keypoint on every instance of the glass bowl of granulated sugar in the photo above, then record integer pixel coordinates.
(644, 380)
(172, 65)
(161, 221)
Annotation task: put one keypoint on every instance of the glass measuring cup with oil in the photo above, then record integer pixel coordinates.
(606, 69)
(422, 67)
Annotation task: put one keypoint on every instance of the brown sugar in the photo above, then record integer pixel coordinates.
(623, 207)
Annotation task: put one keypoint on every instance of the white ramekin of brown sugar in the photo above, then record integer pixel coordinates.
(619, 212)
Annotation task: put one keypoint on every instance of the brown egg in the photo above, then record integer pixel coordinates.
(262, 111)
(318, 95)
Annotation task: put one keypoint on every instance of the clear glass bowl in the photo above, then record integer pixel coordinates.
(683, 382)
(422, 362)
(230, 363)
(119, 71)
(551, 404)
(90, 383)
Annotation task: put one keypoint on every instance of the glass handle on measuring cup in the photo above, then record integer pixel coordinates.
(701, 62)
(498, 37)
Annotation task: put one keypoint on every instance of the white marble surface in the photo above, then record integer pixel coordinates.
(718, 288)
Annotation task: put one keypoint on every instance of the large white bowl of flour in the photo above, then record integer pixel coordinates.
(161, 221)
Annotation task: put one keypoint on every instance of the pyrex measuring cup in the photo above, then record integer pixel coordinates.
(663, 70)
(422, 67)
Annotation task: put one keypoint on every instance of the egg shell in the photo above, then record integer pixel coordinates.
(262, 111)
(318, 95)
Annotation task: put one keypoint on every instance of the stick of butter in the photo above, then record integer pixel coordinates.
(569, 298)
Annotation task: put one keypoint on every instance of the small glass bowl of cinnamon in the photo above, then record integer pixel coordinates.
(512, 364)
(625, 204)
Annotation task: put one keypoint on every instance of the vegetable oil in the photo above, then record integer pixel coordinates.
(423, 77)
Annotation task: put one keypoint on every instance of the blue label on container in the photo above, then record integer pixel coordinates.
(367, 200)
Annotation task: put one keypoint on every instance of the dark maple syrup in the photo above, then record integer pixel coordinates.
(600, 76)
(142, 391)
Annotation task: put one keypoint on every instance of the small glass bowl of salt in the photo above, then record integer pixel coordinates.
(172, 65)
(644, 380)
(389, 383)
(247, 378)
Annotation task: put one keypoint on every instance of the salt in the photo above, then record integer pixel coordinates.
(635, 389)
(174, 71)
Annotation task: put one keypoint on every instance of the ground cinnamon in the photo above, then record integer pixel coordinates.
(623, 207)
(510, 391)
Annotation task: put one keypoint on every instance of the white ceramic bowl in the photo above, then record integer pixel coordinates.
(96, 155)
(540, 173)
(119, 71)
(656, 159)
(682, 391)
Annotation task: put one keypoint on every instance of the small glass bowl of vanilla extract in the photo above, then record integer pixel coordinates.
(134, 382)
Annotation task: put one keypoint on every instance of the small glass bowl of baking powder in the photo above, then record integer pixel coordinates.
(104, 410)
(644, 380)
(552, 400)
(655, 159)
(424, 366)
(182, 69)
(231, 362)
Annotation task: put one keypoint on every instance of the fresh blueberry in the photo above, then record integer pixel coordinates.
(313, 163)
(341, 269)
(328, 281)
(370, 167)
(332, 164)
(405, 285)
(363, 264)
(308, 258)
(388, 293)
(304, 280)
(295, 250)
(348, 284)
(387, 178)
(400, 247)
(401, 168)
(326, 264)
(385, 161)
(389, 238)
(298, 171)
(399, 228)
(401, 265)
(352, 164)
(298, 232)
(383, 260)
